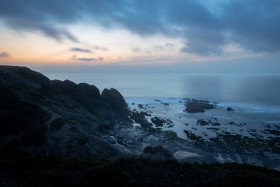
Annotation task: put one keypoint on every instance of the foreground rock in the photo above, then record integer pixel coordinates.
(195, 106)
(49, 171)
(157, 153)
(58, 118)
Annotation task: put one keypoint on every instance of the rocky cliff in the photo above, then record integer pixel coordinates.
(59, 118)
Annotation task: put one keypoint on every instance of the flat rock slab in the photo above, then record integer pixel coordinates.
(195, 106)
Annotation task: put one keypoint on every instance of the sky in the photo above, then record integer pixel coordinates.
(175, 35)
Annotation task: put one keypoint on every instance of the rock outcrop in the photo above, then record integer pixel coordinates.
(195, 106)
(114, 99)
(52, 117)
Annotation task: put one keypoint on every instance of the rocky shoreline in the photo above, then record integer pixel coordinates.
(63, 119)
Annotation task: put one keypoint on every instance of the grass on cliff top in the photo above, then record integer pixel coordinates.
(19, 169)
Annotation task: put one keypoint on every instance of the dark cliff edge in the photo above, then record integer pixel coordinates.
(58, 118)
(56, 132)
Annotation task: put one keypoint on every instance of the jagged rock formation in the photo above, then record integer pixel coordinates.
(58, 118)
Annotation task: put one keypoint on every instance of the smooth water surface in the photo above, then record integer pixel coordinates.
(260, 90)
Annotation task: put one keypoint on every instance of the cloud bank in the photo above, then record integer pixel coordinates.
(4, 55)
(76, 49)
(206, 28)
(83, 59)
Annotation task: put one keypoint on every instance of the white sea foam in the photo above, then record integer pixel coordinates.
(180, 155)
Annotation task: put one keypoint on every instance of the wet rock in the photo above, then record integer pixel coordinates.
(277, 127)
(274, 132)
(195, 106)
(157, 153)
(145, 113)
(215, 124)
(139, 117)
(157, 121)
(242, 124)
(202, 122)
(212, 128)
(268, 126)
(230, 109)
(193, 137)
(140, 106)
(160, 122)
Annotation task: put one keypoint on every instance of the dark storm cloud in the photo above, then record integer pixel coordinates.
(251, 24)
(40, 16)
(4, 55)
(76, 49)
(254, 24)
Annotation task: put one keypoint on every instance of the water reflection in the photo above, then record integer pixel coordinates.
(263, 90)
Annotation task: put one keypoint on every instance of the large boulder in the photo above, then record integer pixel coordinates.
(114, 99)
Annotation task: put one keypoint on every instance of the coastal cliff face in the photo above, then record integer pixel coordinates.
(58, 118)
